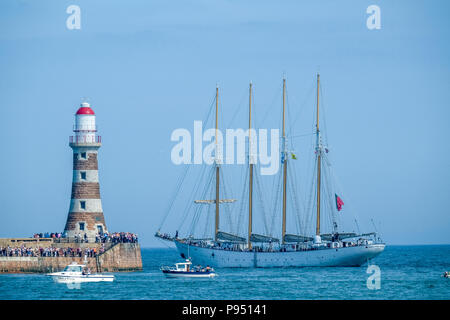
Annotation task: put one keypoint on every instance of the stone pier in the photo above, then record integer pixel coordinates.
(116, 258)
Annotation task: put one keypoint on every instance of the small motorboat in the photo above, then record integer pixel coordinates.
(184, 269)
(446, 274)
(77, 273)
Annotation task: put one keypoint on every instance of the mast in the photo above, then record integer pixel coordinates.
(217, 165)
(318, 150)
(250, 161)
(284, 157)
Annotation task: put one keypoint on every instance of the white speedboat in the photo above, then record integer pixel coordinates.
(184, 269)
(75, 273)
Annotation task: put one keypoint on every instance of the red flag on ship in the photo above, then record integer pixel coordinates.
(339, 203)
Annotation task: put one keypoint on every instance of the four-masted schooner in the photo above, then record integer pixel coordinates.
(257, 250)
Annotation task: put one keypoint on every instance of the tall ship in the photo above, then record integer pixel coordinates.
(246, 248)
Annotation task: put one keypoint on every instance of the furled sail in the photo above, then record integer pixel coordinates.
(296, 238)
(368, 234)
(214, 201)
(344, 235)
(261, 238)
(229, 237)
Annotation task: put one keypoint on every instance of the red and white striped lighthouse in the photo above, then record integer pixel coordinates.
(85, 213)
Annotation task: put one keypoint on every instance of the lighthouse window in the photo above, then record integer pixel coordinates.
(81, 226)
(83, 205)
(83, 175)
(83, 155)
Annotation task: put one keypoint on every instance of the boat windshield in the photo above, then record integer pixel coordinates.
(182, 266)
(72, 269)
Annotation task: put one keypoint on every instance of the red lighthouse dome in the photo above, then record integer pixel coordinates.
(85, 109)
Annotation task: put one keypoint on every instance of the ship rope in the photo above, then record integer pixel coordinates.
(226, 195)
(181, 181)
(311, 169)
(176, 192)
(348, 201)
(312, 200)
(264, 202)
(294, 199)
(198, 209)
(209, 214)
(331, 190)
(239, 109)
(291, 178)
(260, 192)
(304, 104)
(208, 191)
(328, 202)
(276, 197)
(241, 212)
(323, 112)
(269, 110)
(301, 209)
(164, 242)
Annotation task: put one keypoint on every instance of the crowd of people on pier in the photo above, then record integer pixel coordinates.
(51, 251)
(113, 237)
(54, 235)
(117, 237)
(24, 251)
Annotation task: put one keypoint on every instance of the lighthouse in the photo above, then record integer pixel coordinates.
(85, 213)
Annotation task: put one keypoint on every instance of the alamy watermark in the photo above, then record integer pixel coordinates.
(74, 20)
(190, 150)
(374, 20)
(374, 280)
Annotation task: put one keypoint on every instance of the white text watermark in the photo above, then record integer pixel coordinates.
(74, 20)
(374, 20)
(374, 280)
(190, 149)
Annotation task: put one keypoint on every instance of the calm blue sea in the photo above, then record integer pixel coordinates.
(407, 272)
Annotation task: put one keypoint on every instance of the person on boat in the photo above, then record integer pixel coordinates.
(446, 274)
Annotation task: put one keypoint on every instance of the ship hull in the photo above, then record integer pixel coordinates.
(188, 274)
(330, 257)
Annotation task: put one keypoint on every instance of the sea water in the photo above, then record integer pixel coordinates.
(406, 272)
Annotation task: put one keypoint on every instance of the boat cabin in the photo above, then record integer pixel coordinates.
(183, 266)
(73, 268)
(77, 268)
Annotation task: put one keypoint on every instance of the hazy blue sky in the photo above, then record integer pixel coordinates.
(150, 67)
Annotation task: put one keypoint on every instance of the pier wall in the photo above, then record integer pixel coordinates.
(117, 258)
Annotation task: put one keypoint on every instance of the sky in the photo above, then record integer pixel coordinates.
(150, 67)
